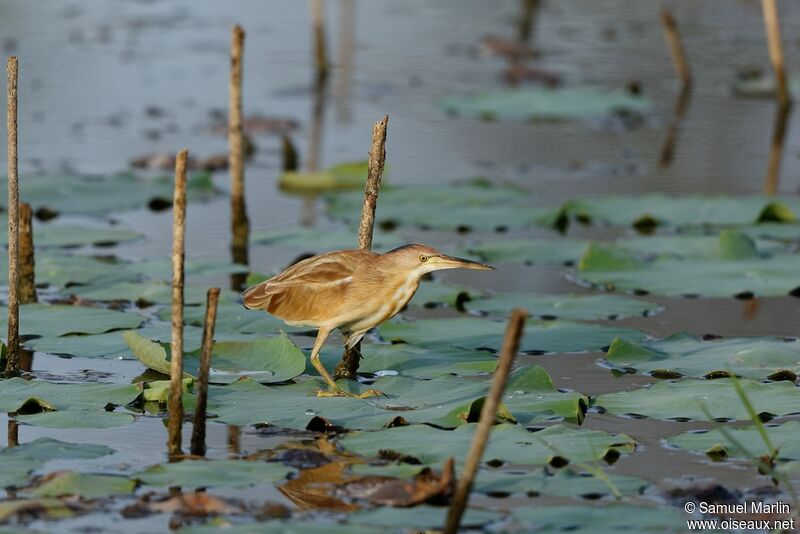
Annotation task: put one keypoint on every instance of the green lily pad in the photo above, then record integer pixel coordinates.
(95, 195)
(351, 175)
(718, 446)
(432, 294)
(292, 526)
(763, 86)
(475, 333)
(77, 419)
(33, 396)
(573, 307)
(162, 269)
(233, 317)
(213, 473)
(529, 250)
(46, 508)
(58, 320)
(151, 291)
(16, 463)
(530, 392)
(610, 518)
(685, 355)
(662, 210)
(274, 359)
(85, 485)
(700, 246)
(319, 240)
(738, 273)
(561, 483)
(421, 517)
(413, 361)
(51, 235)
(545, 103)
(468, 206)
(60, 270)
(685, 399)
(507, 443)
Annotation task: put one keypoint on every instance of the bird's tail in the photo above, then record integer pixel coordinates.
(257, 297)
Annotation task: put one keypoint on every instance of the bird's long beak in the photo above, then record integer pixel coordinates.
(450, 262)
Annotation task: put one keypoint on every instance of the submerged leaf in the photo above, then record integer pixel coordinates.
(213, 473)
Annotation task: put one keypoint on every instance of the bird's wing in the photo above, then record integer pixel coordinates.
(292, 294)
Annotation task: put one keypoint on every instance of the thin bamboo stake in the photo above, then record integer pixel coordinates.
(12, 354)
(176, 364)
(773, 28)
(488, 415)
(348, 366)
(27, 278)
(320, 46)
(676, 47)
(13, 431)
(240, 225)
(199, 429)
(772, 178)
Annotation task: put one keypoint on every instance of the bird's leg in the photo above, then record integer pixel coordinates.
(334, 390)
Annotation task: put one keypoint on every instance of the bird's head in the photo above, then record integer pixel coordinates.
(423, 259)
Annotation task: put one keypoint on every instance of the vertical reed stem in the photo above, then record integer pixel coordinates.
(240, 226)
(488, 415)
(318, 28)
(772, 178)
(776, 50)
(676, 48)
(348, 366)
(12, 355)
(13, 431)
(27, 278)
(176, 356)
(199, 429)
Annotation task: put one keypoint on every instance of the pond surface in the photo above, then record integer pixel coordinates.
(102, 84)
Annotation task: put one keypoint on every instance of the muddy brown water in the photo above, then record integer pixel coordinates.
(93, 72)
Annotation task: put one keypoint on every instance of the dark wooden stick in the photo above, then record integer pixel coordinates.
(27, 262)
(12, 354)
(201, 386)
(318, 29)
(240, 225)
(678, 113)
(13, 431)
(488, 415)
(348, 366)
(676, 47)
(773, 28)
(176, 356)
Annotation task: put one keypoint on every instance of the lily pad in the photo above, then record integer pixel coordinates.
(85, 485)
(266, 360)
(718, 446)
(663, 210)
(95, 195)
(416, 362)
(507, 443)
(52, 235)
(319, 240)
(423, 517)
(685, 399)
(34, 396)
(58, 320)
(351, 175)
(685, 355)
(561, 483)
(213, 473)
(475, 333)
(60, 270)
(44, 508)
(545, 103)
(432, 294)
(610, 518)
(150, 291)
(573, 307)
(16, 463)
(233, 317)
(529, 250)
(737, 274)
(77, 419)
(693, 246)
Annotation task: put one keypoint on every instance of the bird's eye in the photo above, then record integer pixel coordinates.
(423, 259)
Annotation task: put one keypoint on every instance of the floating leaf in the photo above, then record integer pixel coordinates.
(662, 210)
(42, 508)
(574, 307)
(718, 445)
(685, 399)
(77, 419)
(150, 291)
(609, 518)
(16, 463)
(352, 175)
(529, 250)
(266, 360)
(545, 103)
(51, 235)
(422, 517)
(612, 268)
(432, 294)
(85, 485)
(58, 320)
(319, 240)
(33, 396)
(561, 483)
(474, 333)
(213, 473)
(682, 354)
(507, 443)
(233, 317)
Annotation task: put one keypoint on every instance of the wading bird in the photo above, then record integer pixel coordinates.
(352, 290)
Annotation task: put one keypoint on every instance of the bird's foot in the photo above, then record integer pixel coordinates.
(336, 392)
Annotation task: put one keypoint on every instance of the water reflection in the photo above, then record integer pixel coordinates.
(772, 178)
(345, 60)
(234, 441)
(678, 114)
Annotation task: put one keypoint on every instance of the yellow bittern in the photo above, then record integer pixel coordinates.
(352, 290)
